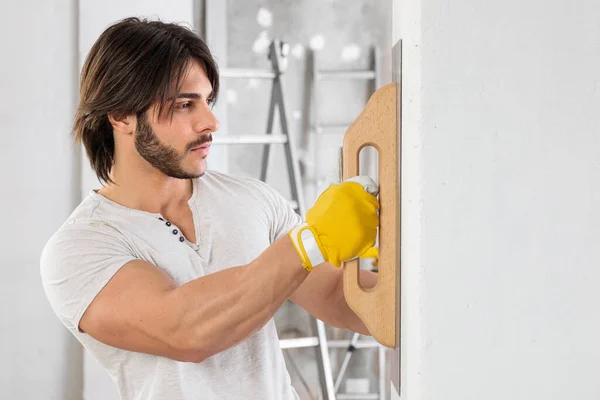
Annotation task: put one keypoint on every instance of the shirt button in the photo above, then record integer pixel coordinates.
(181, 239)
(168, 223)
(175, 231)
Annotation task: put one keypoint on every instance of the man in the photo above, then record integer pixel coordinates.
(169, 274)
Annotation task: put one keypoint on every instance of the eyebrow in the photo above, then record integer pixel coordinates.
(194, 96)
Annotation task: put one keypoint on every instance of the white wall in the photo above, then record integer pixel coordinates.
(506, 150)
(407, 27)
(38, 164)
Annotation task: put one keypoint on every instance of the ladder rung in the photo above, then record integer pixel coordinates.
(246, 73)
(251, 139)
(358, 396)
(361, 344)
(332, 128)
(312, 341)
(368, 74)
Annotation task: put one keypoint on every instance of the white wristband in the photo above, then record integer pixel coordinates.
(306, 244)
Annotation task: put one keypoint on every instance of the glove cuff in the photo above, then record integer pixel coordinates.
(307, 246)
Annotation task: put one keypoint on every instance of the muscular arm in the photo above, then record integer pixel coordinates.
(322, 295)
(141, 309)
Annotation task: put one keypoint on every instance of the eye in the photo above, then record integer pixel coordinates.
(184, 106)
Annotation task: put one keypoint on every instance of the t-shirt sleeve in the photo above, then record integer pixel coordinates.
(282, 215)
(76, 264)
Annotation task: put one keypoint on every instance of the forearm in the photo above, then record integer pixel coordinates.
(220, 310)
(346, 318)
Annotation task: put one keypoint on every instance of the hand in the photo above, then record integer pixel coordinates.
(342, 224)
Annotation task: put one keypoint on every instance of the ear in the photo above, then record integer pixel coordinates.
(123, 124)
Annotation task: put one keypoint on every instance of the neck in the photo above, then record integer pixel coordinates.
(147, 189)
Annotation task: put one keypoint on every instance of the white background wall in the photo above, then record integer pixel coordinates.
(39, 359)
(407, 27)
(501, 274)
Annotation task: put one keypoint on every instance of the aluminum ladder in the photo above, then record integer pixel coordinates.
(312, 181)
(277, 54)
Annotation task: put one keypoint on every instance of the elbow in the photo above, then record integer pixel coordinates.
(197, 346)
(188, 348)
(193, 356)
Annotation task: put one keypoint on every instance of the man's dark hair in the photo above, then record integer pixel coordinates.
(134, 64)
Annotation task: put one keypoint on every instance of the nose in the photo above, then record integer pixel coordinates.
(207, 121)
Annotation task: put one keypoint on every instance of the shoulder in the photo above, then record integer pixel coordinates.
(257, 196)
(89, 220)
(77, 262)
(93, 206)
(235, 183)
(87, 234)
(249, 190)
(81, 239)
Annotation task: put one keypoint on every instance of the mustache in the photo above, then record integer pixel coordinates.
(203, 139)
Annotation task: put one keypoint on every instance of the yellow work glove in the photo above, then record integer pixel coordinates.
(341, 225)
(372, 253)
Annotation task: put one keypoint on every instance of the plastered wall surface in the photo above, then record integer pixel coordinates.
(504, 138)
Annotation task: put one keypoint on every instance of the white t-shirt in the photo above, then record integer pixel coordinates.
(235, 220)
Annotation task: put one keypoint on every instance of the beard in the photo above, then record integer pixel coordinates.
(161, 156)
